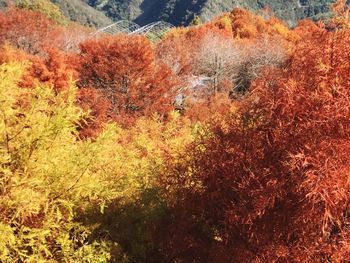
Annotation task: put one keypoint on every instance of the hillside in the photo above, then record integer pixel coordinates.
(75, 10)
(180, 12)
(80, 12)
(99, 13)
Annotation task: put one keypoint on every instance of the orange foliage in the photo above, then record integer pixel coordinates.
(33, 32)
(341, 20)
(92, 101)
(53, 69)
(270, 183)
(215, 106)
(124, 69)
(306, 28)
(8, 54)
(246, 25)
(230, 51)
(26, 30)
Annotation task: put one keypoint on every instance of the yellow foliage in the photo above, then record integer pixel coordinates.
(281, 29)
(177, 32)
(48, 177)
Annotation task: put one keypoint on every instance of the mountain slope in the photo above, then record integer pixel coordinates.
(100, 13)
(75, 10)
(82, 13)
(181, 12)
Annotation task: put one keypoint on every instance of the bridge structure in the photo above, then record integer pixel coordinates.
(153, 31)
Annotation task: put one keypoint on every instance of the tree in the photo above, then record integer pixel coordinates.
(217, 58)
(33, 32)
(53, 69)
(99, 108)
(68, 38)
(26, 30)
(341, 11)
(51, 10)
(246, 25)
(263, 53)
(60, 195)
(44, 171)
(269, 182)
(124, 69)
(178, 57)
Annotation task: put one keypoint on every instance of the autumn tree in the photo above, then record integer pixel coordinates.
(178, 57)
(124, 69)
(182, 58)
(99, 112)
(341, 11)
(53, 69)
(67, 199)
(33, 32)
(44, 169)
(246, 25)
(51, 10)
(25, 30)
(269, 182)
(223, 52)
(217, 58)
(68, 38)
(263, 53)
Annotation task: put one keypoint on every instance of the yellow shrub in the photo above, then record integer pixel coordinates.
(49, 178)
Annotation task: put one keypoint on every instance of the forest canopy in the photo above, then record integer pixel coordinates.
(227, 141)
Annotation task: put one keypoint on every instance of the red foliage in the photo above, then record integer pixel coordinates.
(172, 52)
(271, 182)
(26, 30)
(52, 69)
(214, 106)
(33, 32)
(124, 69)
(92, 101)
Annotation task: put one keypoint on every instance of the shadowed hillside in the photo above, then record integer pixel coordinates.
(182, 12)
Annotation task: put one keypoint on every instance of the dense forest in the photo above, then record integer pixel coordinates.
(227, 141)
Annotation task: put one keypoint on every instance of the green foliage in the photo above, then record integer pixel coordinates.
(44, 6)
(182, 12)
